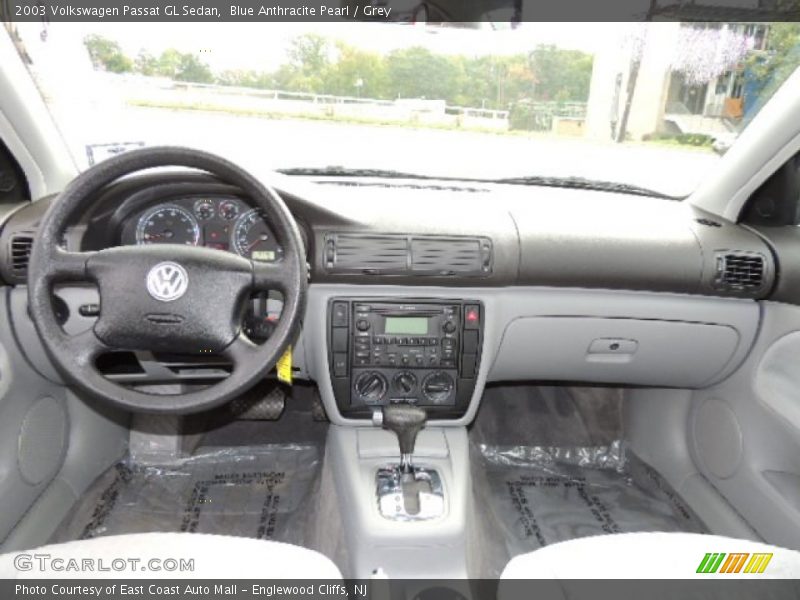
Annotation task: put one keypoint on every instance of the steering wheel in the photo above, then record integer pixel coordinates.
(162, 297)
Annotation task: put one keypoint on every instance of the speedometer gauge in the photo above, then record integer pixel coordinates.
(253, 239)
(168, 224)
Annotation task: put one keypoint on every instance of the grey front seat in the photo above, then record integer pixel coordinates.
(653, 555)
(213, 556)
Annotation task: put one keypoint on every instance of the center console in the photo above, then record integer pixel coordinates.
(422, 352)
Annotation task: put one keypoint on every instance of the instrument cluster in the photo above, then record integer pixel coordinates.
(223, 223)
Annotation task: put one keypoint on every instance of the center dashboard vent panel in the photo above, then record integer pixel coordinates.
(740, 271)
(407, 255)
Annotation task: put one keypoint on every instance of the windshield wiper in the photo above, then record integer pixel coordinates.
(579, 183)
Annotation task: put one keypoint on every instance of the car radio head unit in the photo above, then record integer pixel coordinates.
(422, 352)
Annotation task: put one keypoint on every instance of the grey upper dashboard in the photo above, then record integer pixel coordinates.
(368, 231)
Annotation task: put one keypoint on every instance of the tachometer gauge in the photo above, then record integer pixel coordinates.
(204, 209)
(168, 224)
(228, 210)
(253, 239)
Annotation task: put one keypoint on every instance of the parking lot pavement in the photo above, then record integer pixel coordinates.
(258, 142)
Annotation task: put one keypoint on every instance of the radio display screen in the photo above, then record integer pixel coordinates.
(406, 325)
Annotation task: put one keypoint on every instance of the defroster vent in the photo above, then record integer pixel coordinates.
(740, 271)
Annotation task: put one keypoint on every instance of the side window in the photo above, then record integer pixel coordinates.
(13, 186)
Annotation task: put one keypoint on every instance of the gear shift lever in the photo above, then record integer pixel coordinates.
(405, 421)
(405, 492)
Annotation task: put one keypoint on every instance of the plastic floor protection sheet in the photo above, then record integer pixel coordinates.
(539, 496)
(257, 491)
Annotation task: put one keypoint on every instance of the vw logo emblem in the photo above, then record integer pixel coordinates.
(167, 281)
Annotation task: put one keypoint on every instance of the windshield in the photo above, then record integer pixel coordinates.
(650, 105)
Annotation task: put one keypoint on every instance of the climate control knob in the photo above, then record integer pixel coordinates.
(437, 387)
(371, 386)
(404, 382)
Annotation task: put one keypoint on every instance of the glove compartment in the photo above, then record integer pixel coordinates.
(635, 351)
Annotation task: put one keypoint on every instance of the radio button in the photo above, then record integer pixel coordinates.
(472, 316)
(468, 362)
(340, 364)
(362, 325)
(339, 317)
(471, 341)
(340, 339)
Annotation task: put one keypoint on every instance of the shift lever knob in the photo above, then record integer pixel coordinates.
(406, 421)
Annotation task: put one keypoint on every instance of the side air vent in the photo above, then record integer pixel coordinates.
(20, 255)
(407, 255)
(740, 271)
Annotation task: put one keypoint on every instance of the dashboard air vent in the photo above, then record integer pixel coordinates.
(354, 253)
(447, 256)
(394, 254)
(740, 271)
(20, 255)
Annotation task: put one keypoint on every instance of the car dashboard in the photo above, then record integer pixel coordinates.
(425, 294)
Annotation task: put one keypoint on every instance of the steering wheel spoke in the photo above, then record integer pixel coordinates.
(84, 347)
(64, 265)
(241, 350)
(271, 276)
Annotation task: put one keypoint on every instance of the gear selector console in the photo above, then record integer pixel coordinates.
(420, 352)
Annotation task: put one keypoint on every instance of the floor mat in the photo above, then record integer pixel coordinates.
(250, 491)
(531, 415)
(543, 495)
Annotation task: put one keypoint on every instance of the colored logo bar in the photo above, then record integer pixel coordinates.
(734, 562)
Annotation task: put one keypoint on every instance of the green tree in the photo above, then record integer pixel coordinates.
(419, 73)
(146, 63)
(308, 64)
(169, 63)
(771, 68)
(356, 73)
(106, 54)
(191, 68)
(561, 75)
